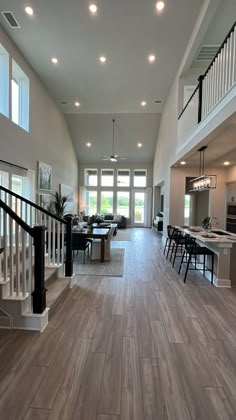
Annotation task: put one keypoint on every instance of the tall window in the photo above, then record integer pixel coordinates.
(187, 209)
(91, 202)
(123, 203)
(123, 178)
(140, 178)
(91, 177)
(4, 81)
(15, 101)
(106, 202)
(107, 178)
(19, 97)
(17, 187)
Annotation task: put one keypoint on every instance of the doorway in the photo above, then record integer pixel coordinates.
(138, 208)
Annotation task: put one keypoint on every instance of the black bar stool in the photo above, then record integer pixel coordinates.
(179, 241)
(172, 234)
(168, 238)
(192, 249)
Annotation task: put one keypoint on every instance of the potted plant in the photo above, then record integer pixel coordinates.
(57, 204)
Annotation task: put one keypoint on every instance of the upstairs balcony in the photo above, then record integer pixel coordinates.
(215, 95)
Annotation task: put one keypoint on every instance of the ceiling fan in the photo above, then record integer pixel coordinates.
(113, 157)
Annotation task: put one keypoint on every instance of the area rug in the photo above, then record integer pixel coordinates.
(113, 268)
(122, 235)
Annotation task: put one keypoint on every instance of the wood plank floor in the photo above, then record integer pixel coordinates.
(144, 346)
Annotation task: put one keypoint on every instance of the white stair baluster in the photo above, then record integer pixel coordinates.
(31, 274)
(62, 242)
(24, 265)
(58, 242)
(49, 240)
(11, 254)
(234, 58)
(53, 240)
(17, 248)
(5, 261)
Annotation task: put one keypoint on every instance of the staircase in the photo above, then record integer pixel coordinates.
(35, 262)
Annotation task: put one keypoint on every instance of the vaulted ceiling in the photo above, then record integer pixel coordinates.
(126, 32)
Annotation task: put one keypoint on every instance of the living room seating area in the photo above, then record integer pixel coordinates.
(108, 218)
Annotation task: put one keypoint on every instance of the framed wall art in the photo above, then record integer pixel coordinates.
(44, 176)
(68, 191)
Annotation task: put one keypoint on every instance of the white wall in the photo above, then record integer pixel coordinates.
(231, 174)
(48, 139)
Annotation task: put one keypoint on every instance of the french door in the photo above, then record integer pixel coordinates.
(138, 207)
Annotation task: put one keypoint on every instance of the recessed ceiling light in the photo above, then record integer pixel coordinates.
(54, 60)
(88, 144)
(29, 10)
(93, 8)
(160, 6)
(102, 59)
(77, 104)
(140, 145)
(151, 58)
(183, 162)
(143, 103)
(226, 163)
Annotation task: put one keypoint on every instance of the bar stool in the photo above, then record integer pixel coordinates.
(172, 234)
(168, 238)
(178, 245)
(192, 249)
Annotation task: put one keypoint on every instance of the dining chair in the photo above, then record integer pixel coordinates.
(80, 244)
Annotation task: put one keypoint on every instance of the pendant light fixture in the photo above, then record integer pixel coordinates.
(113, 157)
(203, 182)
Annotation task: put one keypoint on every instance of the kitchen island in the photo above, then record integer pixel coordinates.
(223, 244)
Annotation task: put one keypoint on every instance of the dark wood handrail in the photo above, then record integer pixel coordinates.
(15, 217)
(59, 219)
(191, 97)
(219, 50)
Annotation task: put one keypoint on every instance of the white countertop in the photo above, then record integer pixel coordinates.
(212, 237)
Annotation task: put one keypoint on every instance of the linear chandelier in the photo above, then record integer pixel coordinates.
(203, 182)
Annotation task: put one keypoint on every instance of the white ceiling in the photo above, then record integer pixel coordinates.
(126, 31)
(129, 129)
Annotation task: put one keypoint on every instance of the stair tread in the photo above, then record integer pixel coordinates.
(50, 274)
(55, 289)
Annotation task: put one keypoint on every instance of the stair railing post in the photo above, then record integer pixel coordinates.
(200, 80)
(69, 259)
(39, 293)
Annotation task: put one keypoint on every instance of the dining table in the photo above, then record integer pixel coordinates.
(96, 233)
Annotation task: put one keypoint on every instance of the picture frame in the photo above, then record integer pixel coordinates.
(68, 191)
(44, 176)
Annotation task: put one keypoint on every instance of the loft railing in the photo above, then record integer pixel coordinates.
(57, 231)
(218, 79)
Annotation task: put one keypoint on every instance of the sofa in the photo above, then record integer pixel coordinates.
(109, 218)
(115, 218)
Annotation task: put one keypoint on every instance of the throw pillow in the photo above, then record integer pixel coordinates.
(117, 217)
